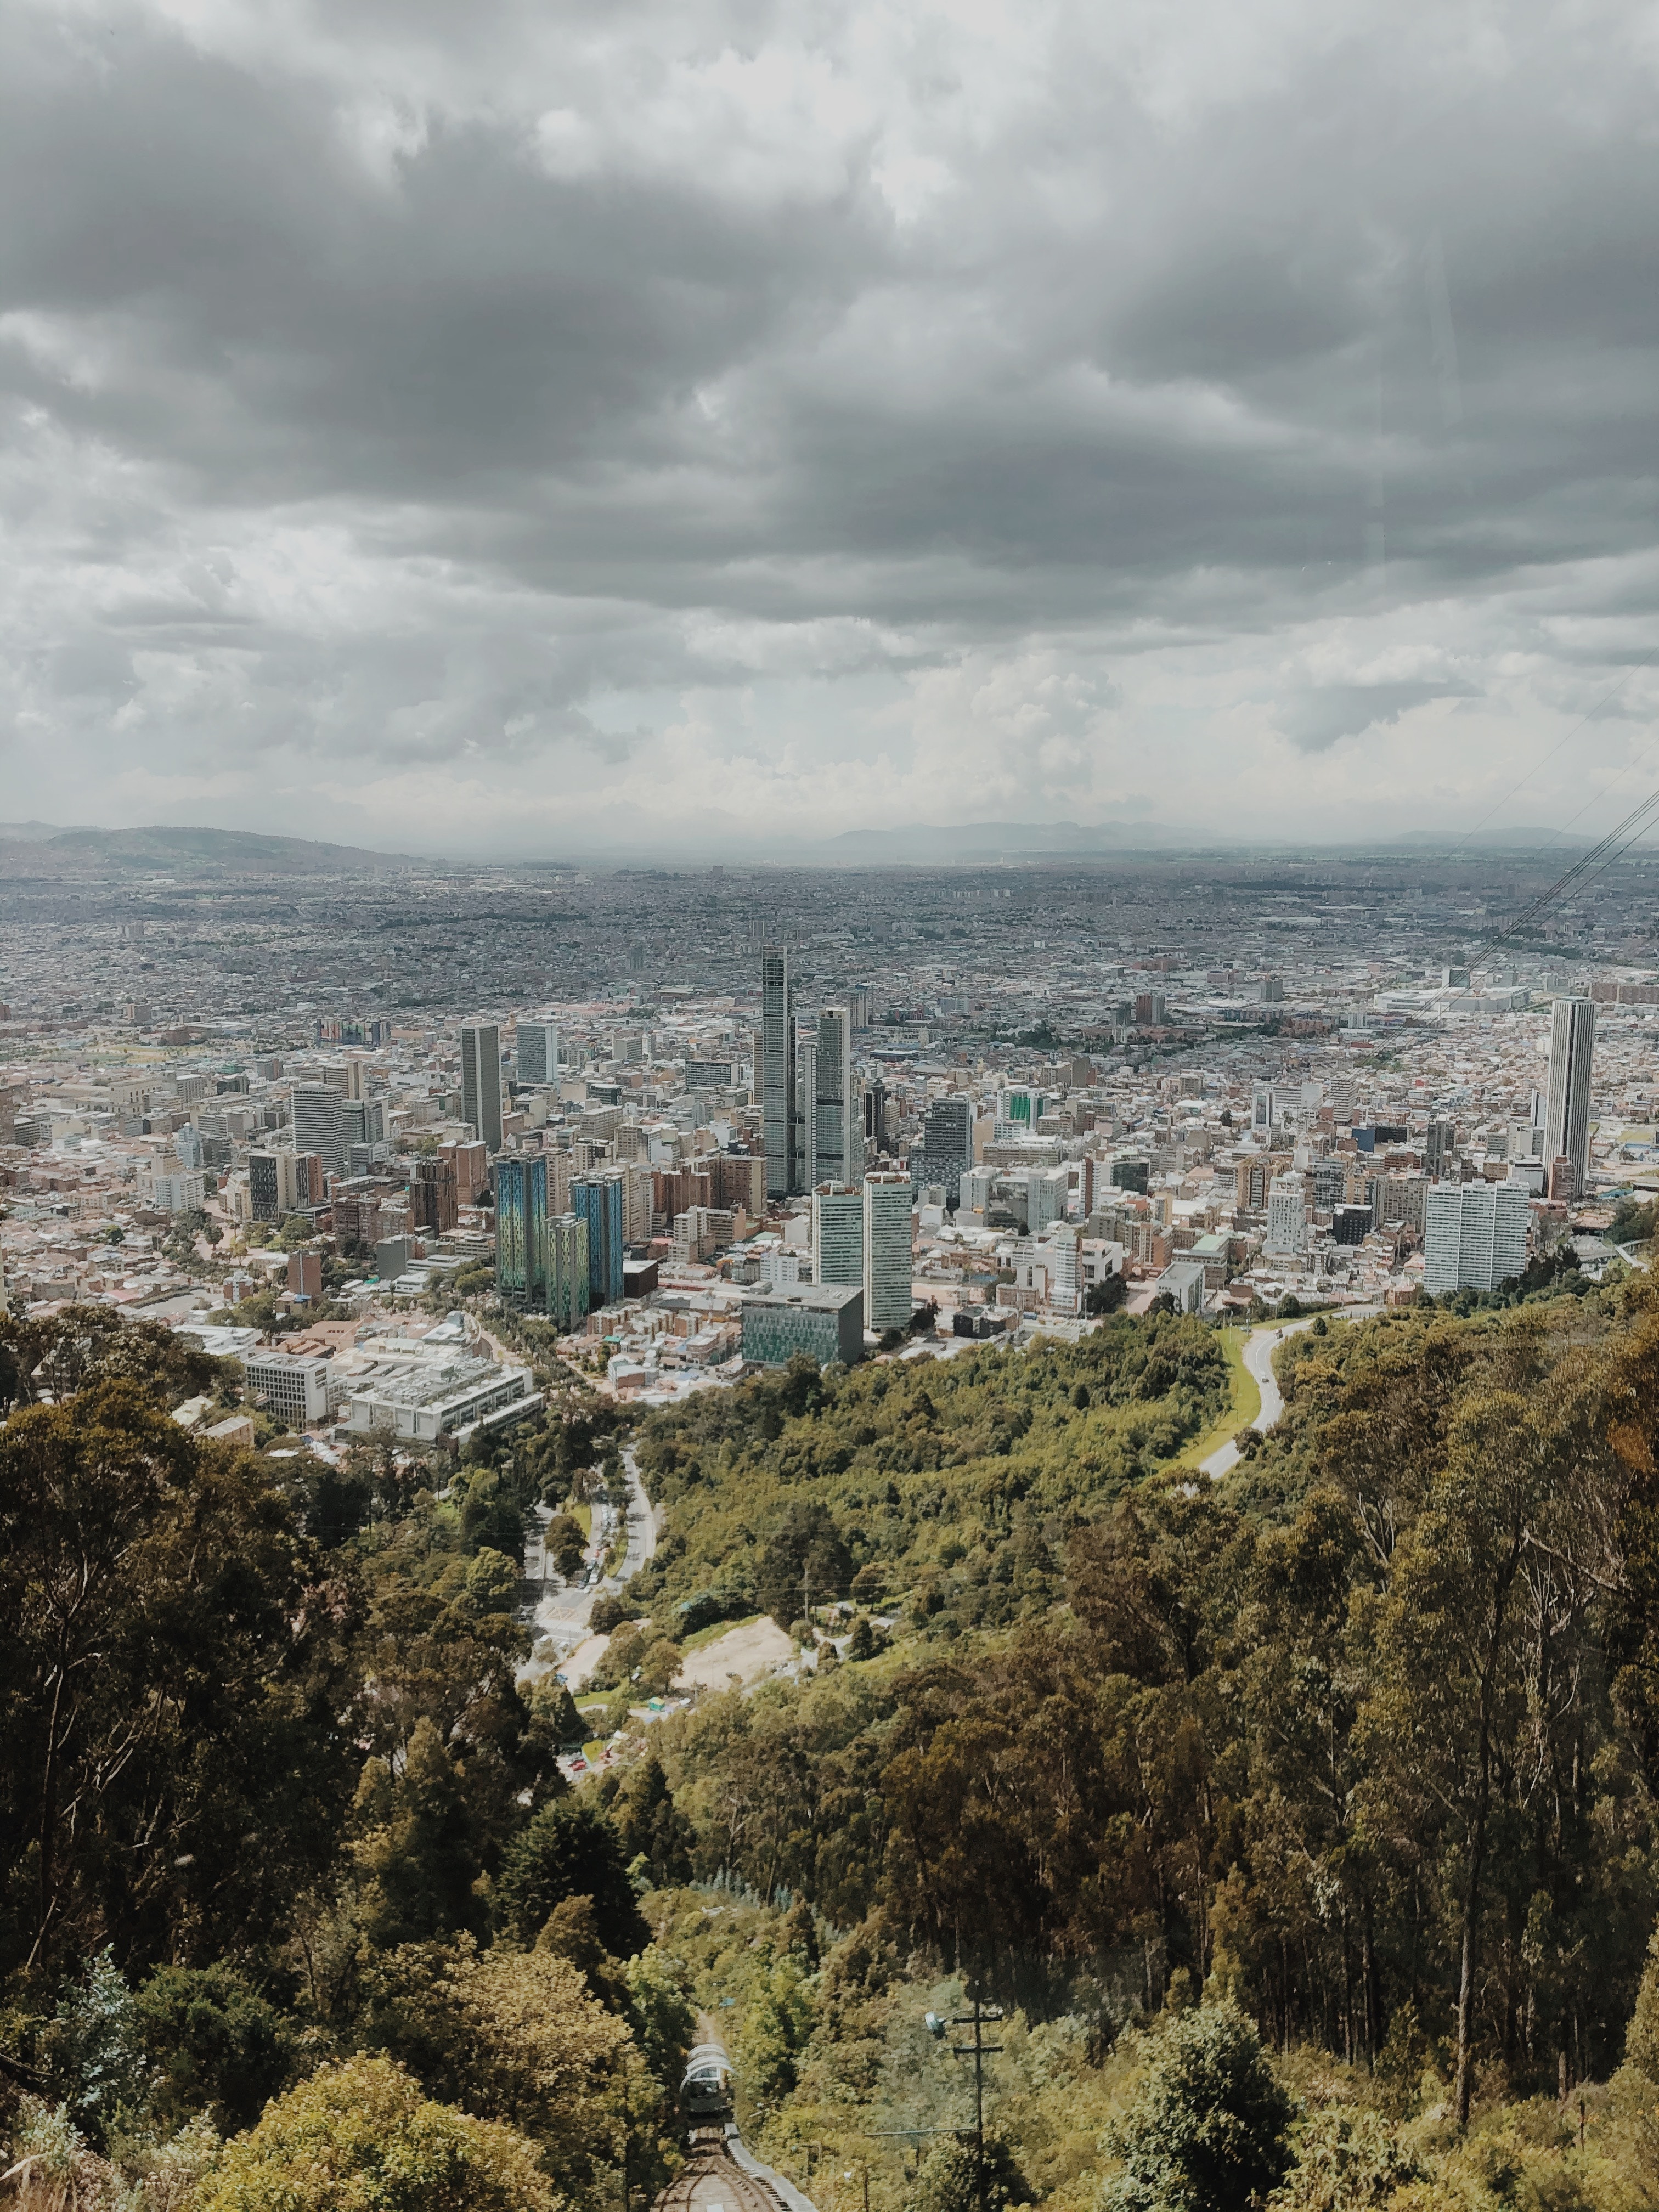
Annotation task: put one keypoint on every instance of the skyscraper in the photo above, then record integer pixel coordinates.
(804, 1170)
(777, 1071)
(521, 1231)
(887, 1294)
(838, 1233)
(1566, 1111)
(539, 1052)
(839, 1126)
(481, 1082)
(1287, 1218)
(598, 1200)
(319, 1124)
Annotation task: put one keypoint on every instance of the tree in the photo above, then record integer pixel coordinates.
(571, 1850)
(806, 1561)
(514, 2036)
(1104, 1297)
(360, 2134)
(169, 1643)
(1208, 2129)
(651, 1826)
(213, 2042)
(416, 1849)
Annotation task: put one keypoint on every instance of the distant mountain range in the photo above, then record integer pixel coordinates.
(36, 848)
(928, 841)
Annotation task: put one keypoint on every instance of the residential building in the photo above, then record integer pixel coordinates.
(521, 1231)
(803, 1114)
(1477, 1236)
(567, 1297)
(887, 1298)
(824, 1321)
(1287, 1216)
(481, 1082)
(598, 1200)
(1567, 1102)
(432, 1203)
(273, 1192)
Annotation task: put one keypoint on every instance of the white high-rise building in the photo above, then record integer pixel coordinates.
(888, 1302)
(1567, 1103)
(1287, 1215)
(1477, 1236)
(481, 1082)
(539, 1052)
(838, 1233)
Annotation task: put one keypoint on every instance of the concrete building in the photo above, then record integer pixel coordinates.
(1477, 1236)
(945, 1152)
(420, 1396)
(825, 1321)
(319, 1124)
(1183, 1281)
(481, 1082)
(1567, 1101)
(838, 1234)
(888, 1302)
(538, 1051)
(296, 1390)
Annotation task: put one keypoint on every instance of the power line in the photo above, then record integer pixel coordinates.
(1588, 867)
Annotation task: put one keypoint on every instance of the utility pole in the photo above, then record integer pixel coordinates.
(981, 2051)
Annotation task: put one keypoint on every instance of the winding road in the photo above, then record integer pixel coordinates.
(1259, 1349)
(560, 1616)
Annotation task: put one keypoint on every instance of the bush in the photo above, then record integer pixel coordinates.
(1208, 2131)
(361, 2134)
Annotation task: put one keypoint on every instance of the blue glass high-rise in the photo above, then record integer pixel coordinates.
(598, 1200)
(521, 1230)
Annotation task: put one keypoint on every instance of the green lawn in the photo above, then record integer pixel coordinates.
(1246, 1402)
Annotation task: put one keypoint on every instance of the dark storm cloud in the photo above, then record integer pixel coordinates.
(400, 380)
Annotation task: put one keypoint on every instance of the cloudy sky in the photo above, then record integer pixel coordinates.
(509, 427)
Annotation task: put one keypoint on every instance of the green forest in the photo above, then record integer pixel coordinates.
(1298, 1826)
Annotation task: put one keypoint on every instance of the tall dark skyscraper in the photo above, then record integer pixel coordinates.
(840, 1126)
(481, 1081)
(777, 1070)
(1567, 1109)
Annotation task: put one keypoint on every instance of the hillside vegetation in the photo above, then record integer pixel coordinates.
(1301, 1824)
